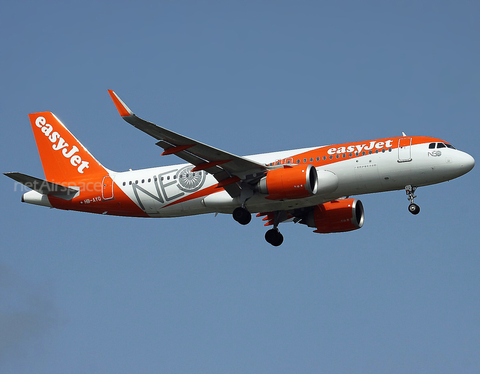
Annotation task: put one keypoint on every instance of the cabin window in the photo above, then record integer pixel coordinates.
(124, 183)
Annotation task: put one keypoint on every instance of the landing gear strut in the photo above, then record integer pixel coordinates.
(410, 191)
(242, 216)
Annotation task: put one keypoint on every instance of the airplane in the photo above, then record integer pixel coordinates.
(310, 186)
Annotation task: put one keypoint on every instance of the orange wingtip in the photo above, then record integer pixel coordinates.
(121, 107)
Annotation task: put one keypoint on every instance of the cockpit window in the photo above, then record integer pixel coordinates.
(440, 145)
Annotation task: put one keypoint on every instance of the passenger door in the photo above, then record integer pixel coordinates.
(404, 149)
(107, 188)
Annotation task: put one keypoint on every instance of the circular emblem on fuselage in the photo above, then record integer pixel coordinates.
(190, 181)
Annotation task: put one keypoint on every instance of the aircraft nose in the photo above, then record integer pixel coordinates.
(466, 162)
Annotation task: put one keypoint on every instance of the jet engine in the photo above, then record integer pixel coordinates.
(337, 216)
(289, 182)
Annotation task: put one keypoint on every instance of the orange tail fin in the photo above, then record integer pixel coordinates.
(64, 158)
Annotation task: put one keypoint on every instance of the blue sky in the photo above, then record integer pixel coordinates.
(85, 293)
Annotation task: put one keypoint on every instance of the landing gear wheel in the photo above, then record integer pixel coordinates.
(414, 208)
(242, 216)
(274, 237)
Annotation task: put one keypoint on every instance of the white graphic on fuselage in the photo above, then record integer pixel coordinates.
(189, 181)
(169, 186)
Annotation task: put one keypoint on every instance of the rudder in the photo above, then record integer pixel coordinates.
(64, 158)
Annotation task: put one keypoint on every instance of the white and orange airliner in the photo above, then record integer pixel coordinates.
(311, 186)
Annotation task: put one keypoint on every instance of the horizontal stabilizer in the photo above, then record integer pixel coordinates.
(42, 186)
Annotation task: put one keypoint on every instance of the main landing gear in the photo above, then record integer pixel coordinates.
(242, 216)
(410, 191)
(272, 236)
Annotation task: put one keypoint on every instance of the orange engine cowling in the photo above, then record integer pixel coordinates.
(338, 216)
(289, 182)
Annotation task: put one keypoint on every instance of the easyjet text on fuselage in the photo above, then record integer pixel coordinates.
(358, 148)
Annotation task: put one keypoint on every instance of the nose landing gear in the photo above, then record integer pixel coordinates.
(412, 208)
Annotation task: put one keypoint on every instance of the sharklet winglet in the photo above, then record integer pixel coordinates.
(122, 108)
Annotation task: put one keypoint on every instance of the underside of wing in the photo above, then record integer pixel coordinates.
(230, 170)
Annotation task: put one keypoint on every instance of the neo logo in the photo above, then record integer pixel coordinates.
(435, 153)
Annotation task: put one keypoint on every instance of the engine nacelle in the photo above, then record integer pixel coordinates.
(289, 182)
(337, 216)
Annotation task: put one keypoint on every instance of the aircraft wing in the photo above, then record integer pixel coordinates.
(226, 167)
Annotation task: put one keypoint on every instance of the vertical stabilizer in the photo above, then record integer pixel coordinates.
(63, 157)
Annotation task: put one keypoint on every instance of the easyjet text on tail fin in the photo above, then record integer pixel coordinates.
(64, 158)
